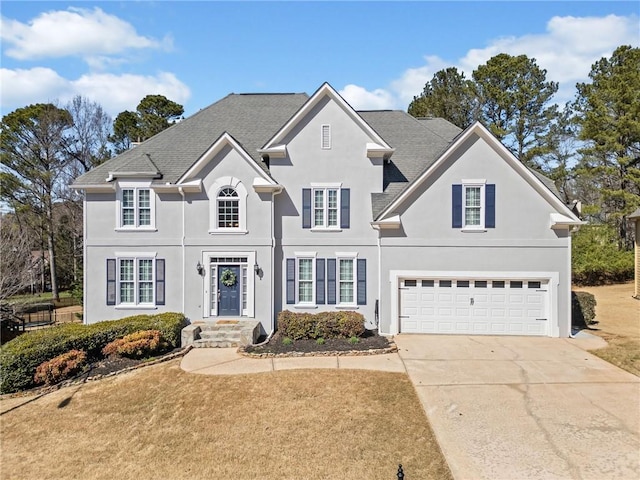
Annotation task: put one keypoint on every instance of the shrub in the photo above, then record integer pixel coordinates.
(20, 357)
(341, 324)
(583, 309)
(320, 341)
(353, 340)
(596, 258)
(287, 341)
(61, 367)
(137, 345)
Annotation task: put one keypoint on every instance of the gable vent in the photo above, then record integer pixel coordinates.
(326, 137)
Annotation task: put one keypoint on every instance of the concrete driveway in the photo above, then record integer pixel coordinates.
(526, 408)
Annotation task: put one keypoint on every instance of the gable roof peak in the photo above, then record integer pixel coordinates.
(275, 144)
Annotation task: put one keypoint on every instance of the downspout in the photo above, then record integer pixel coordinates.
(569, 273)
(84, 258)
(379, 281)
(182, 244)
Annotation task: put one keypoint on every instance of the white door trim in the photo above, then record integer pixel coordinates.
(251, 279)
(552, 277)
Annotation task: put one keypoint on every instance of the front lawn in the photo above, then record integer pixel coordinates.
(160, 422)
(618, 316)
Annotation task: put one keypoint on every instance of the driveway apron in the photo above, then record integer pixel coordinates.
(525, 408)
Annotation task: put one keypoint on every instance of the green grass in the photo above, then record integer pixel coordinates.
(36, 298)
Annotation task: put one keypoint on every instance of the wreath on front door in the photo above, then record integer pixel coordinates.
(228, 278)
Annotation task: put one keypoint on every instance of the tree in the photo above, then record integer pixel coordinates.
(448, 95)
(561, 151)
(90, 131)
(608, 113)
(125, 131)
(514, 98)
(153, 114)
(16, 268)
(34, 152)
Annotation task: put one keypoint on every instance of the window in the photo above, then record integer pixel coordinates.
(428, 283)
(534, 284)
(472, 206)
(228, 208)
(340, 280)
(346, 280)
(515, 284)
(135, 281)
(497, 284)
(136, 208)
(325, 208)
(326, 137)
(480, 284)
(305, 280)
(462, 283)
(445, 283)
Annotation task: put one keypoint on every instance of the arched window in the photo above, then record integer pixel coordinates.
(228, 208)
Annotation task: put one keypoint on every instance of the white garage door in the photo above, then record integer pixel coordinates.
(476, 307)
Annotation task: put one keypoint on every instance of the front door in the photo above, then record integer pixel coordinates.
(229, 290)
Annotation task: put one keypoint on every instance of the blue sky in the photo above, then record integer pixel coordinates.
(376, 54)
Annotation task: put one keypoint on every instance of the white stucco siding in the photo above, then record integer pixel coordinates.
(521, 241)
(345, 163)
(520, 213)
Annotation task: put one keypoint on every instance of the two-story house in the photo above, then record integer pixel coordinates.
(266, 202)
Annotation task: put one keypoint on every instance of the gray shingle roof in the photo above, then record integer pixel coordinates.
(250, 118)
(418, 144)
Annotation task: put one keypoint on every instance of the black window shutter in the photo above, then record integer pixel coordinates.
(490, 206)
(345, 207)
(291, 280)
(456, 206)
(331, 281)
(111, 281)
(320, 275)
(306, 208)
(160, 281)
(362, 281)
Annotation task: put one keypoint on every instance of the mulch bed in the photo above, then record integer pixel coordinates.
(369, 342)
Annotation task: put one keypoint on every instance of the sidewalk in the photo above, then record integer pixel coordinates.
(226, 361)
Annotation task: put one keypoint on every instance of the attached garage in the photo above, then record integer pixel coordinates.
(480, 305)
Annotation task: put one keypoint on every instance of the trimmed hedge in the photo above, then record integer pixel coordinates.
(583, 309)
(341, 324)
(20, 357)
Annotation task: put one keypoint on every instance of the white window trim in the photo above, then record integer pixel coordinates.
(473, 184)
(136, 256)
(353, 256)
(306, 256)
(135, 186)
(326, 187)
(214, 190)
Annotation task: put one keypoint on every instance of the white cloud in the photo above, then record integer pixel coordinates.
(73, 32)
(115, 93)
(566, 50)
(363, 99)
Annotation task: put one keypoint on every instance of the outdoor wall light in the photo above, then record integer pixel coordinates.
(200, 268)
(256, 268)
